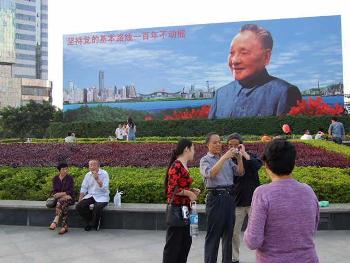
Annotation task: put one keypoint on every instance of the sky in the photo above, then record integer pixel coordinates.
(306, 51)
(197, 61)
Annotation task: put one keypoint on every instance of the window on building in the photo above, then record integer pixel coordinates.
(25, 17)
(25, 7)
(25, 27)
(25, 56)
(34, 91)
(25, 37)
(25, 47)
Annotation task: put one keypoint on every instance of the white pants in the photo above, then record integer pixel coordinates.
(241, 213)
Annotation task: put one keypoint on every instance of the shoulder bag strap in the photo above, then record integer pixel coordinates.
(172, 198)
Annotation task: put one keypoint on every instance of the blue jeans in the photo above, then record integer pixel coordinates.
(131, 137)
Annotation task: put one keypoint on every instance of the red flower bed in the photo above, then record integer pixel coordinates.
(139, 155)
(315, 107)
(198, 113)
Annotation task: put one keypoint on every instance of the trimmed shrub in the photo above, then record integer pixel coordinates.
(330, 146)
(145, 185)
(251, 125)
(139, 154)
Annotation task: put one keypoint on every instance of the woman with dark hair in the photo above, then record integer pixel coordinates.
(285, 213)
(131, 130)
(178, 239)
(63, 192)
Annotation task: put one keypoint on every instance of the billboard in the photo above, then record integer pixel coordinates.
(223, 70)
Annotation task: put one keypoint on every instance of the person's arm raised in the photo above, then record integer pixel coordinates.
(218, 166)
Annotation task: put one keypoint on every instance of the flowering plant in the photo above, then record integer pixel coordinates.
(315, 107)
(198, 113)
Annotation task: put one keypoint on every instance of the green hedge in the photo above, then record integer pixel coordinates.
(145, 185)
(330, 146)
(252, 125)
(156, 139)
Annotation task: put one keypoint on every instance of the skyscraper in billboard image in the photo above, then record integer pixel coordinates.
(226, 70)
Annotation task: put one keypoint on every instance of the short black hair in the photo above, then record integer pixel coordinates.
(279, 156)
(61, 165)
(69, 133)
(207, 138)
(235, 136)
(334, 119)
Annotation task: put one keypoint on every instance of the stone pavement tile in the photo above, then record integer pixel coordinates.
(61, 253)
(13, 234)
(38, 244)
(13, 259)
(333, 246)
(8, 250)
(37, 257)
(88, 259)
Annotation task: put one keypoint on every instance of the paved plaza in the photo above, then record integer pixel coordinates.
(38, 244)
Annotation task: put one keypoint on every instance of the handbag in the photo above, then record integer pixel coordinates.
(174, 215)
(51, 202)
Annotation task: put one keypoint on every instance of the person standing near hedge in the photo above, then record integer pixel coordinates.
(178, 239)
(94, 190)
(244, 187)
(336, 131)
(218, 171)
(119, 132)
(63, 192)
(284, 214)
(131, 130)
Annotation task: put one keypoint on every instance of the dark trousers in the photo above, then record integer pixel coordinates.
(220, 209)
(91, 217)
(337, 140)
(178, 244)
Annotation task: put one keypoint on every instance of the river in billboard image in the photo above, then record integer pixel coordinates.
(177, 104)
(223, 70)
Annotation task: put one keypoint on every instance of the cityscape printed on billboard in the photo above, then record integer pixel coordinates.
(159, 71)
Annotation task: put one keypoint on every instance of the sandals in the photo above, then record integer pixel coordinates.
(53, 226)
(63, 230)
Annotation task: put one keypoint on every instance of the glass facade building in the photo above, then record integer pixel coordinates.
(7, 32)
(23, 52)
(31, 39)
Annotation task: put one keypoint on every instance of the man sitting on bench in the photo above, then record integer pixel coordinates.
(94, 191)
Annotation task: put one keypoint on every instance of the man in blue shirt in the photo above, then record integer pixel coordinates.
(336, 131)
(253, 92)
(218, 171)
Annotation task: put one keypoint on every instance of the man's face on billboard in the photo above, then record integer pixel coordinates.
(247, 56)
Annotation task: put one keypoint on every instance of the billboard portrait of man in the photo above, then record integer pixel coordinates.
(253, 92)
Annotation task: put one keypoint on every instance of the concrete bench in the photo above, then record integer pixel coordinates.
(137, 216)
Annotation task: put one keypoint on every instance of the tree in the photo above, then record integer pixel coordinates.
(30, 120)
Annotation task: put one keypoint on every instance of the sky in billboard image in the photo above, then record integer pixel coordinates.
(307, 53)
